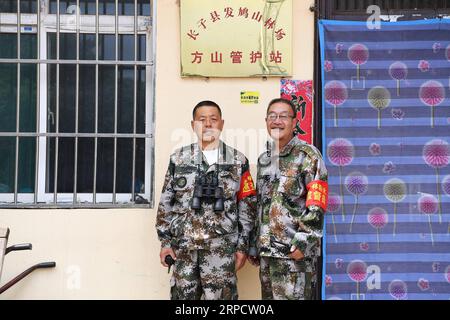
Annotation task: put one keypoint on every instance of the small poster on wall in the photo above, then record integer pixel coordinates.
(300, 92)
(249, 97)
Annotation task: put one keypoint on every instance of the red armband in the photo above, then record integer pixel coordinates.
(317, 194)
(247, 187)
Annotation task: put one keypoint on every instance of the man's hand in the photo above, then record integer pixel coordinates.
(240, 260)
(253, 260)
(164, 252)
(296, 254)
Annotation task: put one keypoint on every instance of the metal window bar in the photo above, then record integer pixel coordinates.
(76, 135)
(16, 164)
(70, 205)
(150, 83)
(38, 102)
(133, 174)
(55, 183)
(77, 94)
(94, 190)
(116, 88)
(68, 61)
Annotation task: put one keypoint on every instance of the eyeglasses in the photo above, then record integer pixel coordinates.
(271, 117)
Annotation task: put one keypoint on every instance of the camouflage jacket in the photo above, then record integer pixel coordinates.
(178, 225)
(291, 192)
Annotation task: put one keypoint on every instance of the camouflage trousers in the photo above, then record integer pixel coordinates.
(204, 274)
(286, 279)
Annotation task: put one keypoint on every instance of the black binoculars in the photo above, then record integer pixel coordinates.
(207, 187)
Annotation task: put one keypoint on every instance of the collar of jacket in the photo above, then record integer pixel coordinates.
(226, 154)
(291, 144)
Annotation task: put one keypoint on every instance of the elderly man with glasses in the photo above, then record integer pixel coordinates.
(292, 194)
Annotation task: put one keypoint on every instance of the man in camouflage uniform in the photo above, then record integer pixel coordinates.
(209, 245)
(292, 196)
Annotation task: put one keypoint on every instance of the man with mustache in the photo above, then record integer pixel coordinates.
(206, 212)
(292, 194)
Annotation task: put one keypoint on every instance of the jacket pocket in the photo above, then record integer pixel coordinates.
(177, 225)
(226, 221)
(293, 198)
(184, 190)
(294, 195)
(230, 182)
(264, 186)
(289, 185)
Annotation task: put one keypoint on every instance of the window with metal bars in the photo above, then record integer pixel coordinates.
(105, 7)
(26, 6)
(76, 104)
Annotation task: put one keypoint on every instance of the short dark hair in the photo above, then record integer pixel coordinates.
(283, 100)
(206, 103)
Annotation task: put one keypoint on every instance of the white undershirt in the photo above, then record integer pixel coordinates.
(211, 156)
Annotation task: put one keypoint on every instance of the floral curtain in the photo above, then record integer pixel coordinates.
(386, 134)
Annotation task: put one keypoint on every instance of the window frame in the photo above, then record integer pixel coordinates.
(133, 25)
